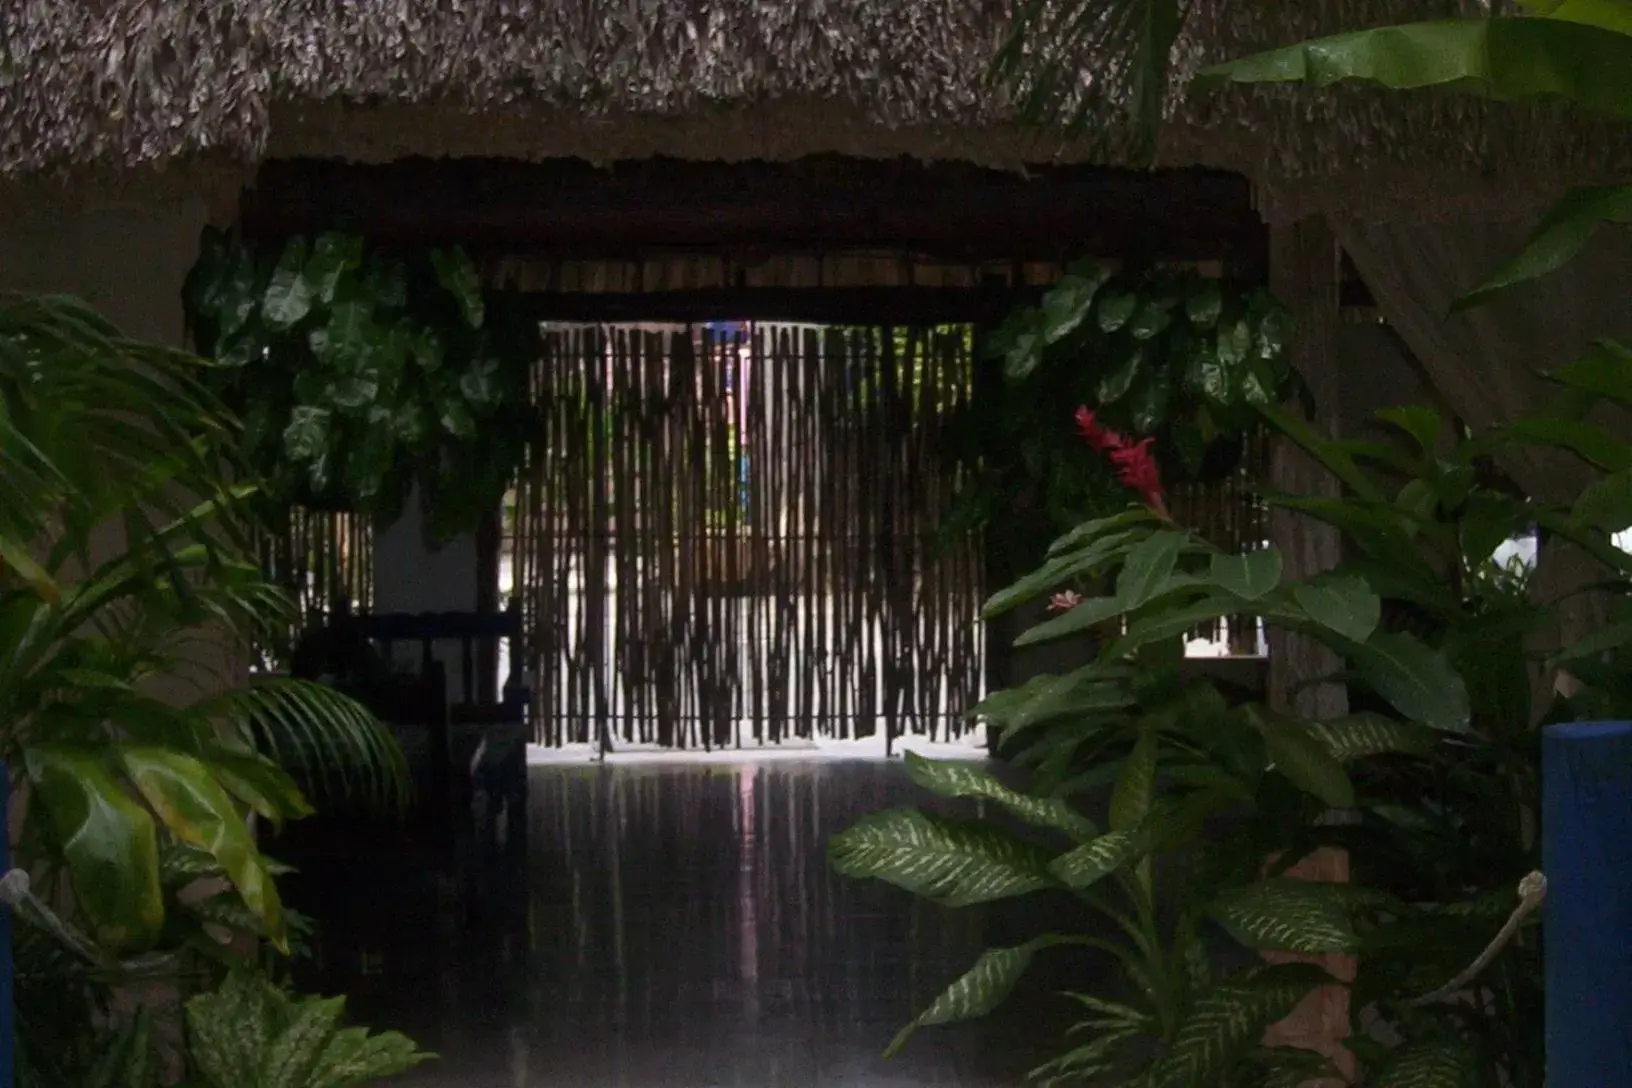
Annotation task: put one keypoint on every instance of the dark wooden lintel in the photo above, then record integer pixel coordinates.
(829, 204)
(817, 305)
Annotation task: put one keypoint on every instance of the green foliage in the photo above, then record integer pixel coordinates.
(126, 549)
(1175, 356)
(1578, 52)
(1437, 766)
(360, 372)
(250, 1034)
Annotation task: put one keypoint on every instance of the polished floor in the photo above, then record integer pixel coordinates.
(676, 926)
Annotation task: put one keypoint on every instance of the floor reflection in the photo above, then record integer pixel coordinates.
(672, 927)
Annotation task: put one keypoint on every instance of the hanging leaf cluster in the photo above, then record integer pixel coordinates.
(360, 372)
(1180, 357)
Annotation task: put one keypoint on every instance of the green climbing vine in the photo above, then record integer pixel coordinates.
(360, 372)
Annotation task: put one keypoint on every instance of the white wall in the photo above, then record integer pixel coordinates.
(412, 576)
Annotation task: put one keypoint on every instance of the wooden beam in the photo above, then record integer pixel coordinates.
(822, 204)
(817, 305)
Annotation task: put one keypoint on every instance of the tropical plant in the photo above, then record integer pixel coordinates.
(1573, 51)
(250, 1034)
(360, 372)
(1177, 357)
(125, 590)
(1435, 773)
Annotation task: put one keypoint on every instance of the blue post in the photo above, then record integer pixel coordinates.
(8, 1031)
(1587, 935)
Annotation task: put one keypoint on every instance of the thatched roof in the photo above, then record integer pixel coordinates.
(108, 87)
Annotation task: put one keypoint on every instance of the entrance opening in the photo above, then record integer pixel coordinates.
(733, 534)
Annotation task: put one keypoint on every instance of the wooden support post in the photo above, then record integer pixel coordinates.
(1304, 274)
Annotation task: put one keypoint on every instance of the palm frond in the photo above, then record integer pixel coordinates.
(327, 740)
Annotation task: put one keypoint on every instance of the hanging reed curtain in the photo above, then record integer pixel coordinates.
(730, 539)
(320, 558)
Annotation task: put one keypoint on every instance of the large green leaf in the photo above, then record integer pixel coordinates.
(1331, 455)
(1589, 441)
(1085, 616)
(290, 294)
(1068, 302)
(356, 1057)
(458, 276)
(1562, 234)
(1416, 680)
(1505, 59)
(292, 1056)
(952, 863)
(1091, 532)
(1229, 1019)
(1304, 759)
(108, 840)
(949, 779)
(1604, 371)
(1250, 576)
(1146, 570)
(247, 1034)
(1439, 1063)
(1057, 571)
(979, 990)
(1606, 503)
(197, 809)
(1136, 785)
(261, 784)
(1341, 603)
(1287, 915)
(1360, 736)
(1093, 861)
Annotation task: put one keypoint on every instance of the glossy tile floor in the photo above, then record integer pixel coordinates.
(677, 926)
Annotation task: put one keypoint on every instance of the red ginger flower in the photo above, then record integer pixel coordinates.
(1134, 463)
(1101, 438)
(1136, 468)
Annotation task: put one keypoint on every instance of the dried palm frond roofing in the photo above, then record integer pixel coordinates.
(117, 88)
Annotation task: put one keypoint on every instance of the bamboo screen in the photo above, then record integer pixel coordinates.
(320, 558)
(730, 538)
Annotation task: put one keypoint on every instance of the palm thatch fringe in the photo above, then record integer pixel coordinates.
(149, 83)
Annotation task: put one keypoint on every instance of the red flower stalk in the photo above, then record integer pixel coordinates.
(1134, 463)
(1136, 468)
(1103, 439)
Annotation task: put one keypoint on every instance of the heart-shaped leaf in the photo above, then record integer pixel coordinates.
(1250, 576)
(1341, 603)
(1416, 680)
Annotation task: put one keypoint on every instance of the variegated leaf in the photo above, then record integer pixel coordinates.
(1303, 759)
(1130, 799)
(1288, 915)
(1442, 1063)
(1360, 736)
(952, 863)
(228, 1030)
(980, 989)
(1229, 1019)
(1095, 860)
(292, 1058)
(949, 779)
(355, 1057)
